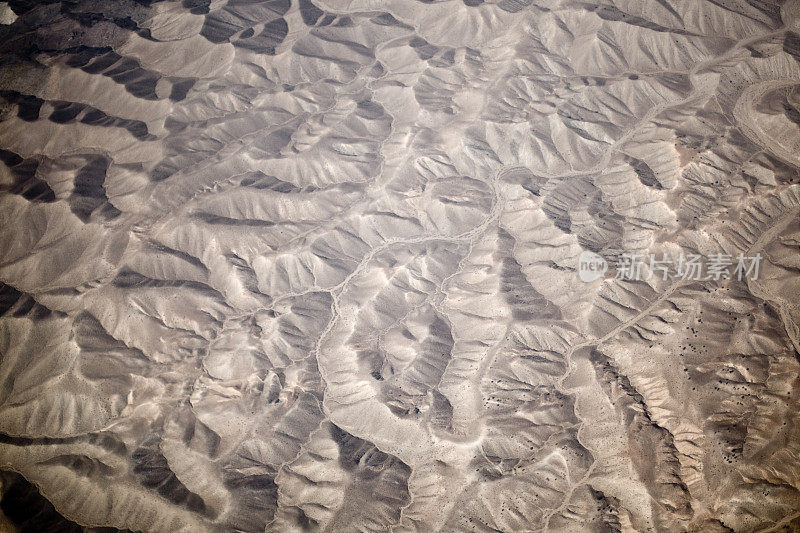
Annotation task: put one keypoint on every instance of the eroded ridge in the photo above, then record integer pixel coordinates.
(311, 265)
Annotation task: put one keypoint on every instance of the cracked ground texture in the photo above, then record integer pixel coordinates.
(311, 265)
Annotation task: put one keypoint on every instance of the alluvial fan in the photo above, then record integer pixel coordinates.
(399, 265)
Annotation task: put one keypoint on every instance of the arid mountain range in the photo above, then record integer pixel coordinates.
(400, 265)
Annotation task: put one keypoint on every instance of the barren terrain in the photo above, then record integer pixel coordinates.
(312, 265)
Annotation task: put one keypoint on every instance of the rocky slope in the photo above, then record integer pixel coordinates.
(293, 265)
